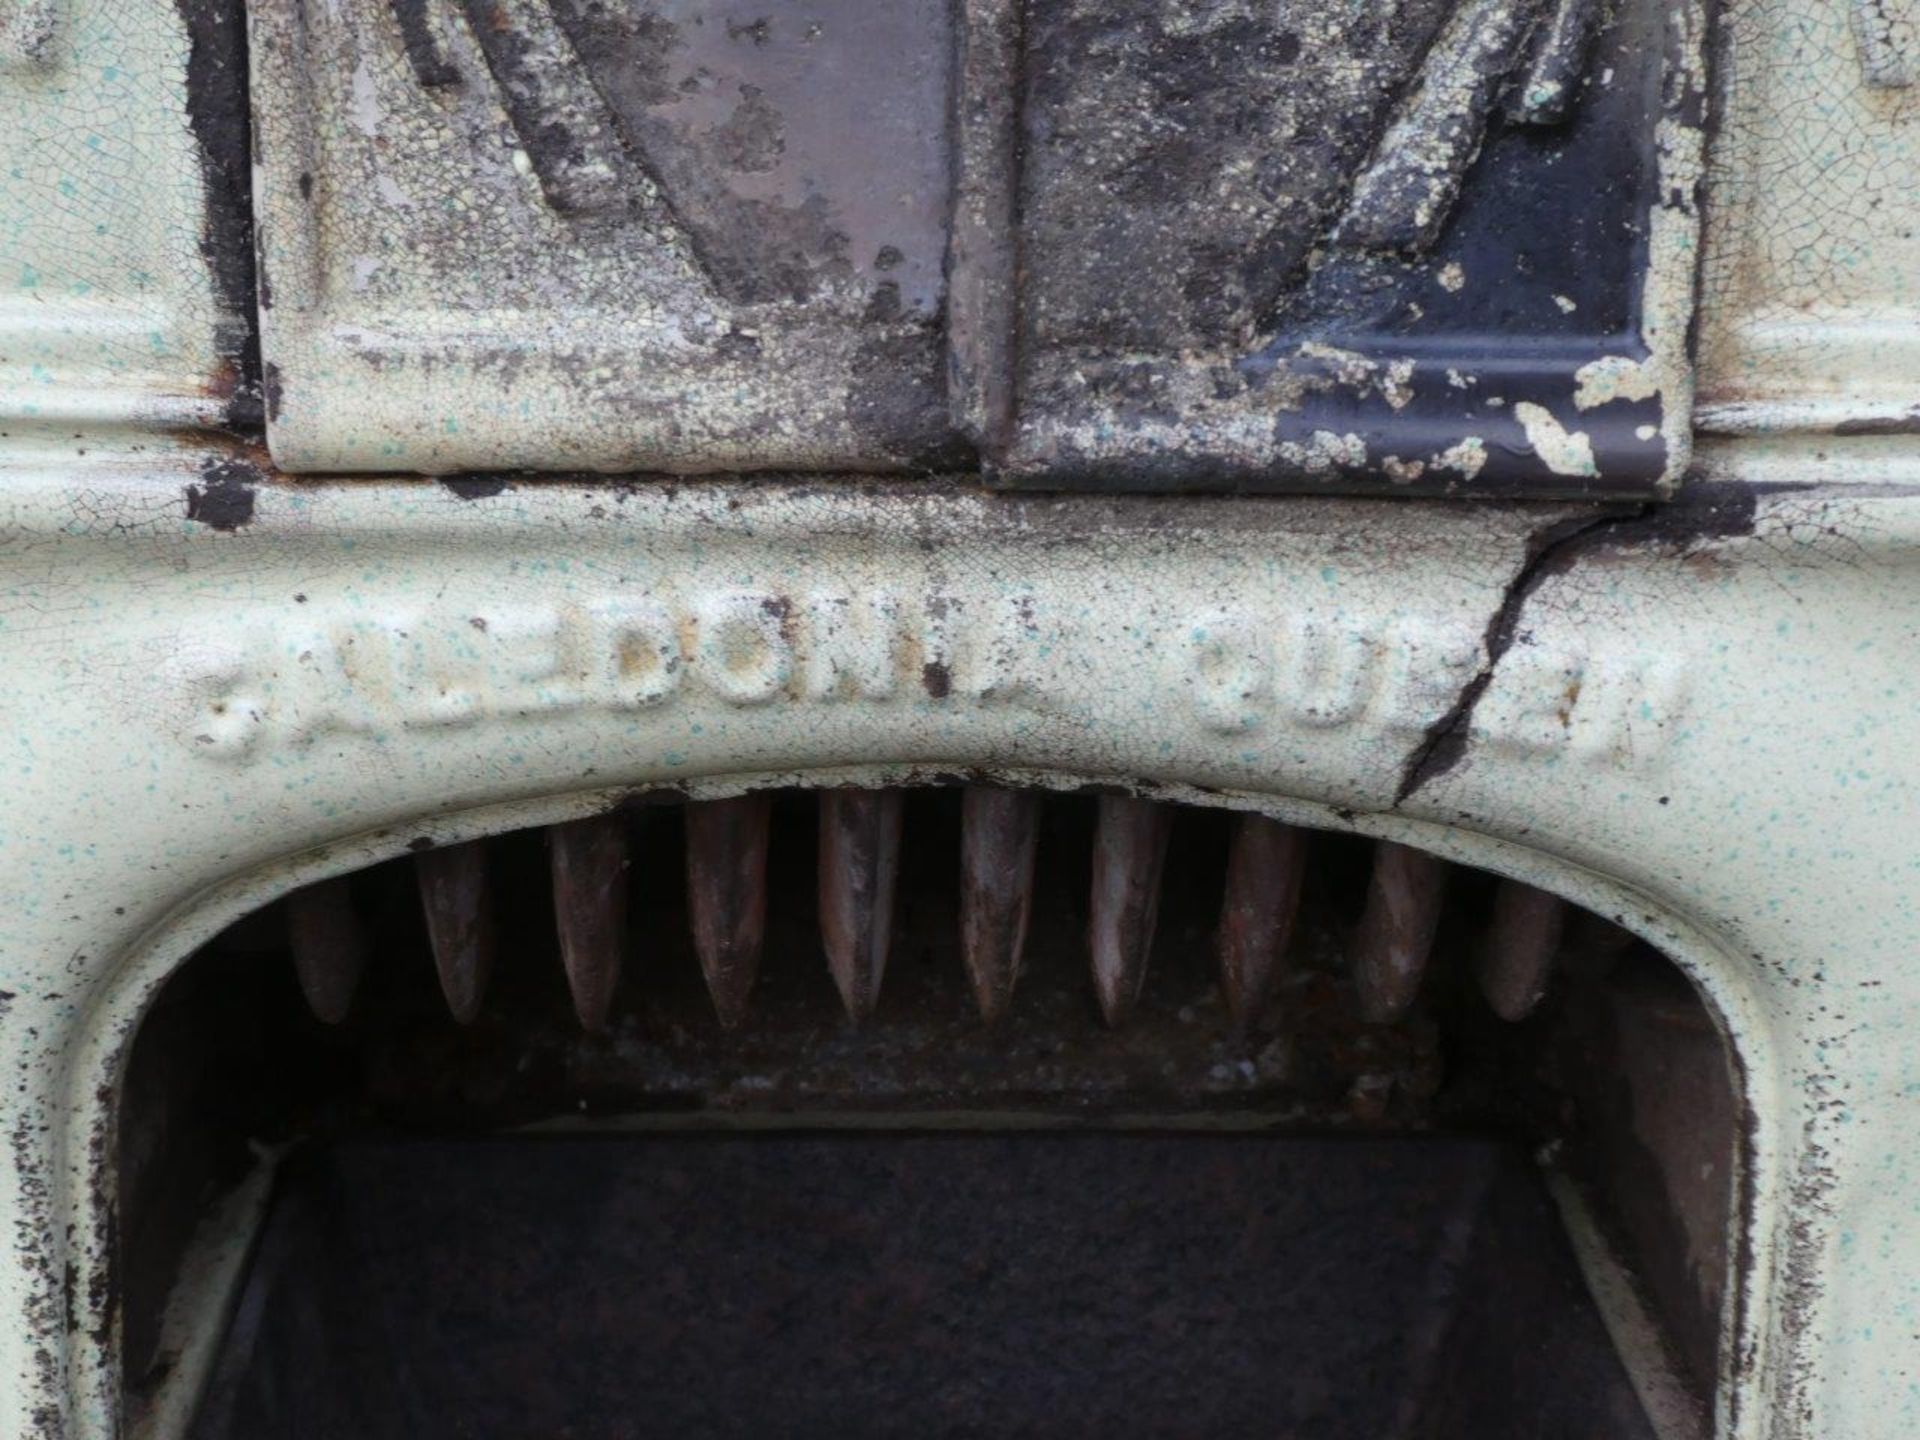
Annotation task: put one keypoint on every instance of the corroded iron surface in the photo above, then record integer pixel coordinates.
(1256, 915)
(329, 947)
(1430, 246)
(691, 236)
(1129, 851)
(1516, 964)
(1394, 938)
(1253, 891)
(859, 871)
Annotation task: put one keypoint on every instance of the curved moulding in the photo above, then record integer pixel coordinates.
(1696, 721)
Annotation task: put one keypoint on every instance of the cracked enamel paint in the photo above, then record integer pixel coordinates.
(224, 682)
(1568, 698)
(1812, 315)
(114, 307)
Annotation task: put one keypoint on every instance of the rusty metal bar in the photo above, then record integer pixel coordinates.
(999, 837)
(1515, 964)
(453, 892)
(1395, 934)
(1129, 851)
(859, 865)
(727, 896)
(1256, 916)
(329, 946)
(590, 860)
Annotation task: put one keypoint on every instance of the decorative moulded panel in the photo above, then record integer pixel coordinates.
(1427, 245)
(1813, 258)
(598, 234)
(125, 275)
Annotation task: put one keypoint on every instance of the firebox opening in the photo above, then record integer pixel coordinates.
(1344, 1196)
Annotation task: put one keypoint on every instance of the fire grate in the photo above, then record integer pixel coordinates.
(1291, 1184)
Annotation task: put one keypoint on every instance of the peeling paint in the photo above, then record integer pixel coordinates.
(1465, 457)
(1613, 377)
(1564, 451)
(1214, 329)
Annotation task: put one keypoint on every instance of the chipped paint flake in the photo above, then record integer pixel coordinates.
(1393, 379)
(1613, 377)
(1563, 451)
(1465, 458)
(364, 108)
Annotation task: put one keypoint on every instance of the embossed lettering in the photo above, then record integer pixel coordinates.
(1329, 670)
(1326, 671)
(633, 653)
(1231, 671)
(853, 646)
(741, 651)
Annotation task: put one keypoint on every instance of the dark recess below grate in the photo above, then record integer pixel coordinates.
(864, 1284)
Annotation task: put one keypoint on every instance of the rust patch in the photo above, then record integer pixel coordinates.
(475, 487)
(1907, 424)
(217, 114)
(1000, 835)
(859, 867)
(727, 895)
(223, 498)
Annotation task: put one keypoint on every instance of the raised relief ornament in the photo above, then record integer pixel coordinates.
(1404, 245)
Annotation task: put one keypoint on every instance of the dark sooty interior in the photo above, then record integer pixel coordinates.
(1300, 1219)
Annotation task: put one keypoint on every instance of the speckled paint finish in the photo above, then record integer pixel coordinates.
(1700, 723)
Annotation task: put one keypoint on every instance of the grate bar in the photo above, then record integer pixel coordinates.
(1264, 870)
(727, 896)
(329, 946)
(1129, 852)
(999, 838)
(727, 844)
(859, 871)
(590, 860)
(1394, 939)
(1516, 962)
(453, 891)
